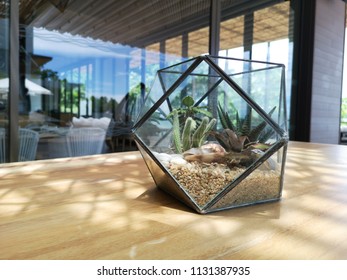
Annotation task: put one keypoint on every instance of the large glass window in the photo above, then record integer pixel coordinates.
(259, 34)
(91, 66)
(4, 79)
(88, 65)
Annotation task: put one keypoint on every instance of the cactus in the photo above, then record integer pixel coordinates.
(201, 133)
(176, 132)
(188, 129)
(195, 130)
(191, 137)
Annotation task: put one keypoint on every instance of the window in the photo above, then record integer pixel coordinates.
(4, 79)
(89, 63)
(260, 34)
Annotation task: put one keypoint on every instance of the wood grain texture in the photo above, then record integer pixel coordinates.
(107, 207)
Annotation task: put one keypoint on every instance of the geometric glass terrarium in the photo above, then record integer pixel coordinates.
(213, 132)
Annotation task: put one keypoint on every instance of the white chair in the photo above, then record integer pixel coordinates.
(28, 141)
(85, 141)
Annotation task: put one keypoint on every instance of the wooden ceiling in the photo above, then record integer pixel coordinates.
(143, 23)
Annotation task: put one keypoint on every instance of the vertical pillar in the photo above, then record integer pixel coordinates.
(214, 35)
(162, 50)
(14, 89)
(184, 45)
(300, 106)
(248, 36)
(247, 51)
(143, 75)
(215, 16)
(327, 73)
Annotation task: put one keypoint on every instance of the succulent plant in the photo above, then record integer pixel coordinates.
(239, 134)
(193, 135)
(189, 130)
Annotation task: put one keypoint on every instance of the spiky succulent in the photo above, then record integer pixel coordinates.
(239, 133)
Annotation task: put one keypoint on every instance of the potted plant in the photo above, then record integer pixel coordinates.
(223, 137)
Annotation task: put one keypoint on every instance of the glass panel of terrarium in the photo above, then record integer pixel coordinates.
(205, 79)
(264, 184)
(164, 181)
(266, 90)
(230, 104)
(196, 84)
(232, 66)
(156, 92)
(235, 66)
(155, 131)
(265, 86)
(172, 73)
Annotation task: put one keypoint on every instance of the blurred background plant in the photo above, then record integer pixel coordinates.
(344, 111)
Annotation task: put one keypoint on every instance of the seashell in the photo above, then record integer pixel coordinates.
(214, 147)
(178, 161)
(176, 156)
(163, 157)
(193, 151)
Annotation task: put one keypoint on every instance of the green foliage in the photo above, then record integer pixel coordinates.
(70, 94)
(188, 109)
(188, 130)
(176, 132)
(344, 111)
(193, 135)
(230, 140)
(238, 131)
(49, 74)
(102, 104)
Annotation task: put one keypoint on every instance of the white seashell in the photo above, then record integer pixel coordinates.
(176, 156)
(163, 157)
(193, 151)
(213, 147)
(178, 161)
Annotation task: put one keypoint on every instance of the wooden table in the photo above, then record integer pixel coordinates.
(107, 207)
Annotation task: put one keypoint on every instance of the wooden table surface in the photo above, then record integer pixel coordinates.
(107, 207)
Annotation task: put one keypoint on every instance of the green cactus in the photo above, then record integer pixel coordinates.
(176, 132)
(188, 129)
(192, 136)
(201, 133)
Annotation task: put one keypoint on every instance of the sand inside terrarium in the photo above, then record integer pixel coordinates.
(204, 181)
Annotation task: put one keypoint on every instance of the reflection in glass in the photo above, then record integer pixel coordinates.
(4, 78)
(98, 62)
